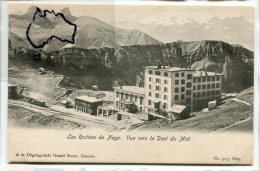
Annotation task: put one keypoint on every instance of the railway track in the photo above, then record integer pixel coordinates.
(67, 116)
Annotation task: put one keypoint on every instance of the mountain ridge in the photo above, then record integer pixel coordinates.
(91, 33)
(123, 65)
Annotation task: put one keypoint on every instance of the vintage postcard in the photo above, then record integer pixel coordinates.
(130, 83)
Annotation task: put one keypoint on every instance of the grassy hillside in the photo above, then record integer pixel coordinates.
(21, 117)
(42, 87)
(227, 114)
(247, 95)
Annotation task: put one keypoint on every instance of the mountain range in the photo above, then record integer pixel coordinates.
(91, 32)
(187, 29)
(109, 56)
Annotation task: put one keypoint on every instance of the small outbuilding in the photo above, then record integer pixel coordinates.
(68, 103)
(106, 110)
(212, 105)
(179, 112)
(12, 91)
(87, 104)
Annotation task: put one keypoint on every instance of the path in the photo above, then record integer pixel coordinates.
(240, 101)
(85, 120)
(222, 129)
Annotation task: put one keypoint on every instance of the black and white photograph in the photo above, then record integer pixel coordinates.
(124, 70)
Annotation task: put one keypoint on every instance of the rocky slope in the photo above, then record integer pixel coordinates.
(123, 65)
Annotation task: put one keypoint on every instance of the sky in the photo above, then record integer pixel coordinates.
(111, 13)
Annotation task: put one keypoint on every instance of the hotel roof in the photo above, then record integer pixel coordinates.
(204, 73)
(178, 108)
(88, 99)
(168, 68)
(132, 89)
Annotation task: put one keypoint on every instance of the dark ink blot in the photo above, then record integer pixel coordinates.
(43, 14)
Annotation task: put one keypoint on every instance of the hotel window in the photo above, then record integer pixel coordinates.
(188, 85)
(203, 86)
(165, 74)
(122, 96)
(157, 73)
(204, 79)
(165, 97)
(131, 97)
(218, 78)
(116, 103)
(176, 97)
(150, 86)
(213, 85)
(194, 80)
(150, 93)
(126, 96)
(188, 100)
(182, 97)
(176, 82)
(157, 95)
(117, 94)
(198, 94)
(165, 89)
(158, 80)
(218, 92)
(165, 82)
(199, 87)
(149, 102)
(213, 78)
(189, 76)
(203, 94)
(188, 92)
(208, 78)
(208, 86)
(150, 72)
(176, 90)
(150, 79)
(182, 74)
(141, 101)
(182, 81)
(194, 95)
(194, 87)
(135, 98)
(208, 93)
(158, 88)
(199, 79)
(182, 89)
(176, 74)
(213, 93)
(164, 105)
(217, 85)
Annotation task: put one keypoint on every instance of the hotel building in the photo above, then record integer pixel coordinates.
(127, 96)
(166, 85)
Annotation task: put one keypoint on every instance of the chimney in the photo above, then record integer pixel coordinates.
(159, 65)
(120, 87)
